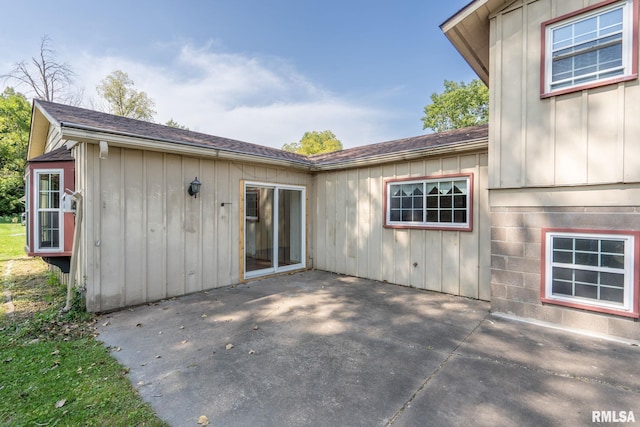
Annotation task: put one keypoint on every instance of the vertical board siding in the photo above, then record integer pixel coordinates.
(586, 137)
(443, 261)
(133, 230)
(145, 238)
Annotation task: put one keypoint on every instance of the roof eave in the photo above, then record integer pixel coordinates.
(445, 149)
(88, 134)
(39, 130)
(468, 31)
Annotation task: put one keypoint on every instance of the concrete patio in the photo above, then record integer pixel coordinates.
(319, 349)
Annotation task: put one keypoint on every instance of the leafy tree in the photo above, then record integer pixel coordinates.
(460, 105)
(173, 124)
(315, 143)
(15, 118)
(45, 77)
(123, 100)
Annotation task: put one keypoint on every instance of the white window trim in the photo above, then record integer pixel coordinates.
(424, 224)
(627, 45)
(27, 210)
(36, 211)
(629, 279)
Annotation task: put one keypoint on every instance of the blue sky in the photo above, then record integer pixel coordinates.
(254, 70)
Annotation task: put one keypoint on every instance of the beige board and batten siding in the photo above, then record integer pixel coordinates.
(350, 237)
(144, 238)
(583, 138)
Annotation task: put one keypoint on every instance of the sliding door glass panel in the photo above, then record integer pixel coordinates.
(289, 227)
(274, 232)
(259, 228)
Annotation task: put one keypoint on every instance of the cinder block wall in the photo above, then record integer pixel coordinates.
(516, 263)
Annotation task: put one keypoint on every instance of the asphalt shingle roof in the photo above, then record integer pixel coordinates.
(75, 117)
(414, 143)
(61, 154)
(68, 116)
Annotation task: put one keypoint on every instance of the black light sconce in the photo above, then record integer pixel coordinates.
(194, 188)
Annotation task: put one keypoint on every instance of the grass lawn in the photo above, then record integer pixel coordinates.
(12, 241)
(53, 370)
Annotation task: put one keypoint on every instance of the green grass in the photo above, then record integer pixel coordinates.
(53, 372)
(12, 241)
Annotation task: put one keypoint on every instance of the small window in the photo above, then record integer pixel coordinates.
(430, 202)
(589, 48)
(252, 202)
(592, 271)
(49, 215)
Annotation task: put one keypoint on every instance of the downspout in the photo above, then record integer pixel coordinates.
(74, 251)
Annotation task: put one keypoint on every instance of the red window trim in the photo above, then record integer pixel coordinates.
(635, 310)
(429, 227)
(66, 237)
(543, 51)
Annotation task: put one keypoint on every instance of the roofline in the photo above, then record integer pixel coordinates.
(462, 13)
(90, 134)
(94, 135)
(454, 147)
(468, 31)
(72, 132)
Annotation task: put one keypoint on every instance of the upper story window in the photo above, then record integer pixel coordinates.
(589, 48)
(593, 271)
(48, 210)
(430, 202)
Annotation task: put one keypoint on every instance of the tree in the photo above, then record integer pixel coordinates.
(123, 100)
(173, 124)
(15, 118)
(460, 105)
(315, 143)
(45, 77)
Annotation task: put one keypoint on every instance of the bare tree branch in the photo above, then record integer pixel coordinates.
(45, 77)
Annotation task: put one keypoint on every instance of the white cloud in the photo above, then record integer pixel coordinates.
(260, 100)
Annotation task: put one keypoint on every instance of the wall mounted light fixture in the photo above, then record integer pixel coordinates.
(194, 188)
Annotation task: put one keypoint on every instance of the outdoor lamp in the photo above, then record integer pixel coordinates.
(194, 188)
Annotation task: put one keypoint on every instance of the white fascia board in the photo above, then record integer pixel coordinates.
(116, 140)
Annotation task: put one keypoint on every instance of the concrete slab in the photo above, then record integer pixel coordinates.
(321, 349)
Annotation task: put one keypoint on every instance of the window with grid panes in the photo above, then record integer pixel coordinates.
(590, 269)
(429, 202)
(589, 48)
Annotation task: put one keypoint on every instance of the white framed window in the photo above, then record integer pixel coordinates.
(252, 205)
(591, 270)
(27, 203)
(442, 202)
(589, 48)
(49, 217)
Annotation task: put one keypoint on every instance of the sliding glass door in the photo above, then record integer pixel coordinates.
(274, 228)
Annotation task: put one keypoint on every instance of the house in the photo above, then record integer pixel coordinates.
(564, 156)
(413, 212)
(537, 213)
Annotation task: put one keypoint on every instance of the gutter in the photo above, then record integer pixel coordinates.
(89, 133)
(458, 147)
(75, 131)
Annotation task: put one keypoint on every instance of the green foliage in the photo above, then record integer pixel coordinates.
(15, 119)
(73, 382)
(123, 100)
(54, 371)
(173, 124)
(315, 143)
(460, 105)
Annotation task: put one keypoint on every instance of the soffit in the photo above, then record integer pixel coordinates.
(468, 31)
